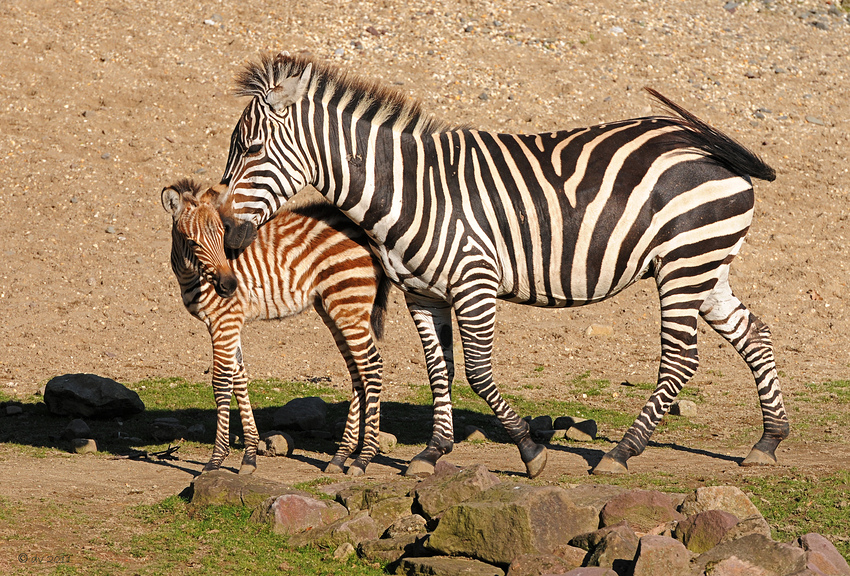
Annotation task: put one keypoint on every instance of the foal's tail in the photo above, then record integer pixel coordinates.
(717, 145)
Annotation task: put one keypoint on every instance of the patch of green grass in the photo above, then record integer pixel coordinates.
(584, 384)
(179, 539)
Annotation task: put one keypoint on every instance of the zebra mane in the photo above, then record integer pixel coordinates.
(375, 99)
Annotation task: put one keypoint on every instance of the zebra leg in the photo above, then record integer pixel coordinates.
(246, 415)
(679, 362)
(751, 338)
(433, 319)
(476, 322)
(222, 391)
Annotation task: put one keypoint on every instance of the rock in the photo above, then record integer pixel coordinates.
(391, 550)
(354, 529)
(84, 446)
(450, 485)
(734, 566)
(388, 511)
(275, 443)
(297, 511)
(662, 556)
(588, 571)
(197, 430)
(407, 525)
(594, 495)
(578, 429)
(302, 414)
(506, 521)
(14, 410)
(540, 425)
(686, 408)
(343, 551)
(702, 532)
(473, 433)
(643, 509)
(758, 550)
(822, 557)
(727, 498)
(90, 396)
(225, 487)
(441, 566)
(386, 442)
(751, 525)
(537, 564)
(168, 430)
(599, 330)
(76, 428)
(616, 549)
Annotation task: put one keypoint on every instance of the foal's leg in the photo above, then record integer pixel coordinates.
(751, 338)
(476, 316)
(433, 320)
(224, 365)
(246, 415)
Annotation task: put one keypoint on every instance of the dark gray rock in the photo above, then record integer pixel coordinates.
(578, 429)
(643, 509)
(275, 443)
(302, 414)
(76, 428)
(90, 396)
(507, 521)
(83, 446)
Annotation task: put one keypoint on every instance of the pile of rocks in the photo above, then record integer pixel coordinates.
(468, 521)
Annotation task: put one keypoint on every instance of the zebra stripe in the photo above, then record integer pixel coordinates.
(460, 217)
(311, 256)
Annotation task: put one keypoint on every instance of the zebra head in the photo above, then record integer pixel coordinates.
(265, 164)
(198, 234)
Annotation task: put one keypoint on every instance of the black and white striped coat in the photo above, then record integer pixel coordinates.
(461, 217)
(311, 257)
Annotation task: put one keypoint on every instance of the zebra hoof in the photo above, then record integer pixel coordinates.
(246, 469)
(419, 469)
(537, 464)
(609, 467)
(355, 471)
(759, 458)
(333, 468)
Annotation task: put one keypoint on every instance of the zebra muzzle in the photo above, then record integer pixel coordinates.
(238, 234)
(225, 285)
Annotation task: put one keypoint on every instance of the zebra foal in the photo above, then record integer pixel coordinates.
(461, 217)
(311, 256)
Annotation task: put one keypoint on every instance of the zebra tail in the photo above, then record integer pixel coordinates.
(735, 156)
(380, 306)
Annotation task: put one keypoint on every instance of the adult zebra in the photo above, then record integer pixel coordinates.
(460, 218)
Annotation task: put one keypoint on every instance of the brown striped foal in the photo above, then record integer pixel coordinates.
(310, 256)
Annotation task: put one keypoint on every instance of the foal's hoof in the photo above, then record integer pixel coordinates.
(246, 469)
(355, 471)
(759, 458)
(333, 468)
(419, 469)
(536, 465)
(609, 467)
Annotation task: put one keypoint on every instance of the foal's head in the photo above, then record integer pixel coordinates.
(198, 225)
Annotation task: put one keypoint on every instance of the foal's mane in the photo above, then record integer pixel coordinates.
(393, 107)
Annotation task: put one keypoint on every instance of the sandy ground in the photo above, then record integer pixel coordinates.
(103, 104)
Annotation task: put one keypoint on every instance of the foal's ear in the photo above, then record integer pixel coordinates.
(289, 91)
(214, 194)
(171, 200)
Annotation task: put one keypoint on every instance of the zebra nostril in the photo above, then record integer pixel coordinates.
(227, 286)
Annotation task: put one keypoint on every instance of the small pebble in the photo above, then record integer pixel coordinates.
(105, 155)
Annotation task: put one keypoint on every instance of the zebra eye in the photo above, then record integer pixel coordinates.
(254, 149)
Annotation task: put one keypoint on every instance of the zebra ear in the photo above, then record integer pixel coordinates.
(289, 91)
(171, 200)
